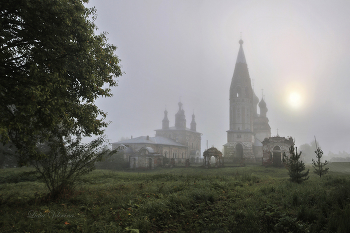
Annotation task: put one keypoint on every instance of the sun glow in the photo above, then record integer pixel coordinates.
(295, 100)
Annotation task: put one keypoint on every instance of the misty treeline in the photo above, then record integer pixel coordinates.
(309, 149)
(53, 68)
(114, 161)
(340, 157)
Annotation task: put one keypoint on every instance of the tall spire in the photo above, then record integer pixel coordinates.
(240, 73)
(180, 119)
(193, 123)
(165, 121)
(241, 56)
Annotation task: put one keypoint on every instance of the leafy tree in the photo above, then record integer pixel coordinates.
(318, 165)
(67, 159)
(295, 166)
(53, 68)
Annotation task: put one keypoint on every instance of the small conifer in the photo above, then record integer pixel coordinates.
(318, 165)
(295, 166)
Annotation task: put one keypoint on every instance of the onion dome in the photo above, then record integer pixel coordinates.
(262, 104)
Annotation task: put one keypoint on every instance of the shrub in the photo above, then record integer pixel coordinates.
(295, 166)
(65, 160)
(318, 165)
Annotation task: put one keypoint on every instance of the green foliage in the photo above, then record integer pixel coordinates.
(318, 165)
(7, 155)
(114, 161)
(53, 68)
(20, 177)
(295, 166)
(66, 160)
(179, 200)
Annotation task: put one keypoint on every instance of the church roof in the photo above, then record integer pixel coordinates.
(240, 72)
(151, 140)
(241, 56)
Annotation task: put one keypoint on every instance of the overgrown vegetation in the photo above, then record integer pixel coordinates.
(245, 199)
(53, 68)
(67, 159)
(295, 166)
(113, 161)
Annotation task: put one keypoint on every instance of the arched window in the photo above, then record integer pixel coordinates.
(239, 93)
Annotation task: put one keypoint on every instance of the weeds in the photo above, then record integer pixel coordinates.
(245, 199)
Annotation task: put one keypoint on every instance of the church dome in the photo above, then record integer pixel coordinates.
(262, 104)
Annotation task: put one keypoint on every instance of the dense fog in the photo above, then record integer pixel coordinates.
(296, 51)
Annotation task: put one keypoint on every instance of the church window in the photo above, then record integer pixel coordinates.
(239, 136)
(182, 155)
(238, 92)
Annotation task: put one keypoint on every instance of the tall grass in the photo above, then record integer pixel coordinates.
(247, 199)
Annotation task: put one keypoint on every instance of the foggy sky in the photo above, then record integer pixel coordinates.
(188, 50)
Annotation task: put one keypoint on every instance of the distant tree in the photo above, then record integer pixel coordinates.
(308, 151)
(115, 161)
(318, 165)
(52, 68)
(295, 166)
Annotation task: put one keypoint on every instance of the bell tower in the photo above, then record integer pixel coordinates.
(165, 122)
(240, 136)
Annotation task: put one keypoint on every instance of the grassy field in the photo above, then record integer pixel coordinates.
(232, 199)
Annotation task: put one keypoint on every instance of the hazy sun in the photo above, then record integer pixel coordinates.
(295, 99)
